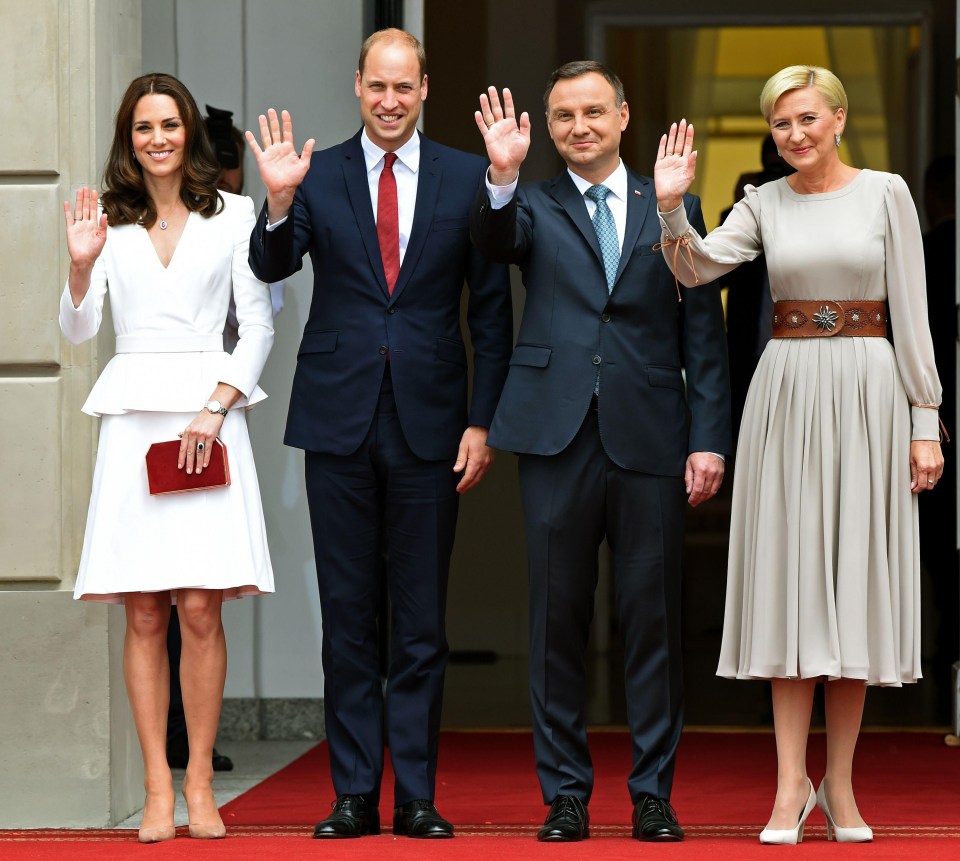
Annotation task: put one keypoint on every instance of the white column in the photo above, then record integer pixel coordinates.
(69, 756)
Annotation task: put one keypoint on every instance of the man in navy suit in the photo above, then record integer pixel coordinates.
(618, 405)
(379, 404)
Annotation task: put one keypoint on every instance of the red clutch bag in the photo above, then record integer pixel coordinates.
(164, 477)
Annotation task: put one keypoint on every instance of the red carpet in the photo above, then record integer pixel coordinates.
(722, 779)
(908, 787)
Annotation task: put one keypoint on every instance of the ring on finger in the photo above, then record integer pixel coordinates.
(200, 446)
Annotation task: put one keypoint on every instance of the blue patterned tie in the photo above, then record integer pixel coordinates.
(606, 229)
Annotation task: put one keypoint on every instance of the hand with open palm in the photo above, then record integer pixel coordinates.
(507, 140)
(86, 236)
(675, 166)
(281, 168)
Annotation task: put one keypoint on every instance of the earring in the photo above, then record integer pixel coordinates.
(778, 153)
(836, 139)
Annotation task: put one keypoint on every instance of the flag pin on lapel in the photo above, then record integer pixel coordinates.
(637, 192)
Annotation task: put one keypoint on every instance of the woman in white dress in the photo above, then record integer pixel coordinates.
(839, 434)
(171, 249)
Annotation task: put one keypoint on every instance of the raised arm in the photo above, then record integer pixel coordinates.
(675, 167)
(506, 139)
(281, 169)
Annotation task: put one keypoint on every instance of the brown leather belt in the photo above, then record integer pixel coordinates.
(824, 317)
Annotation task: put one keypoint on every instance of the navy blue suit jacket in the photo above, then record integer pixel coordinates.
(354, 322)
(664, 382)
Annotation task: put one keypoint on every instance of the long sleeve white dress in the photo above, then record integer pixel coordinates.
(169, 327)
(824, 571)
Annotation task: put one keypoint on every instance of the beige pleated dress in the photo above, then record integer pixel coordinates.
(824, 569)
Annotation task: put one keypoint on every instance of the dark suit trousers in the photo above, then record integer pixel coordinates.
(571, 501)
(383, 500)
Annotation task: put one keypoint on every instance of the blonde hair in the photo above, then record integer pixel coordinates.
(796, 78)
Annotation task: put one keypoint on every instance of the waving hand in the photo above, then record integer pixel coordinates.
(507, 140)
(675, 167)
(86, 236)
(86, 230)
(281, 169)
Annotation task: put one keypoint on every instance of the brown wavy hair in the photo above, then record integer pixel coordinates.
(125, 197)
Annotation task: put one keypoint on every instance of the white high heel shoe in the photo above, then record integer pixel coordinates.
(791, 836)
(860, 834)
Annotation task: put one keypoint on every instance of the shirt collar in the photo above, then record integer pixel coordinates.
(408, 154)
(616, 182)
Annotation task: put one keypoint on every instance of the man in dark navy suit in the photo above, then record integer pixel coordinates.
(379, 404)
(618, 404)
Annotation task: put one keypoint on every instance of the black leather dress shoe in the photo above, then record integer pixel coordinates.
(654, 819)
(420, 819)
(566, 822)
(221, 762)
(178, 752)
(353, 816)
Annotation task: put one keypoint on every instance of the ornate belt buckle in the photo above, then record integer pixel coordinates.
(829, 318)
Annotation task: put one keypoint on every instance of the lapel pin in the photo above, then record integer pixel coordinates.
(637, 192)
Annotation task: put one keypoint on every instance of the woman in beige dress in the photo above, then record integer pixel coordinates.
(839, 435)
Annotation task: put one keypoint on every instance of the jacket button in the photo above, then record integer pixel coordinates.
(604, 317)
(597, 360)
(392, 309)
(384, 351)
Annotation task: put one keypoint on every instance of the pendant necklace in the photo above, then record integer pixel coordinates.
(164, 223)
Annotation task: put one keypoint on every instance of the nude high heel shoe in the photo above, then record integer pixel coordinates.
(205, 830)
(860, 834)
(791, 836)
(157, 834)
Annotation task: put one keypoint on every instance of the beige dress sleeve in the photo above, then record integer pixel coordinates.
(907, 295)
(701, 259)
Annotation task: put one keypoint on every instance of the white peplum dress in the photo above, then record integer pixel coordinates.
(169, 358)
(824, 570)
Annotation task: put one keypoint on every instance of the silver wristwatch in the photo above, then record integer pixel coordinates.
(216, 407)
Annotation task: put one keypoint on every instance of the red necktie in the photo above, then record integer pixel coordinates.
(388, 221)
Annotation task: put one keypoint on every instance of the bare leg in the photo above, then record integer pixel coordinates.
(792, 705)
(146, 671)
(843, 701)
(203, 669)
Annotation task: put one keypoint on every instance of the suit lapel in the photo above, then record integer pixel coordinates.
(358, 189)
(640, 198)
(428, 189)
(565, 193)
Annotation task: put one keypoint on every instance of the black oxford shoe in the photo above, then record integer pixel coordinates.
(566, 822)
(654, 819)
(353, 816)
(420, 819)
